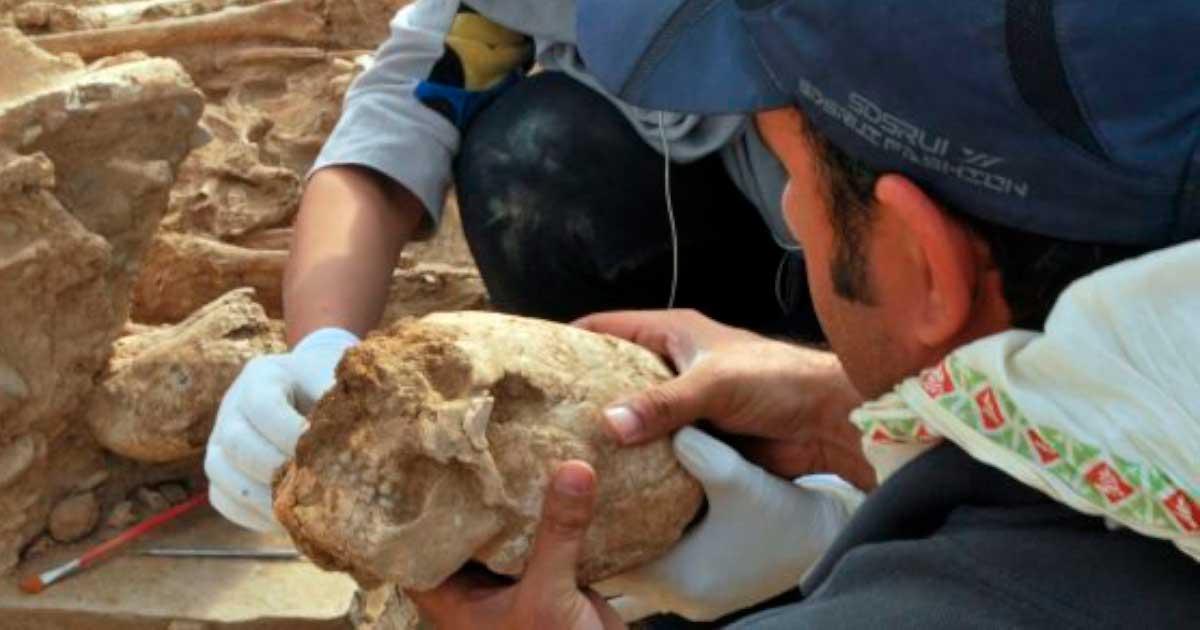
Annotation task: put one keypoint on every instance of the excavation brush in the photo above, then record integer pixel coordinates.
(36, 583)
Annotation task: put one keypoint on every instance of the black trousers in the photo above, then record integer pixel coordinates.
(564, 209)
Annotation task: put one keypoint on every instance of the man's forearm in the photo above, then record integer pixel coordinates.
(349, 232)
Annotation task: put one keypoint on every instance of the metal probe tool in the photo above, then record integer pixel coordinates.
(218, 552)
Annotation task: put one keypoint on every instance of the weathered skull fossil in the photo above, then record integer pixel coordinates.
(436, 445)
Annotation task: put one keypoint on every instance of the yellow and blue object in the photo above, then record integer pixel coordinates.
(482, 60)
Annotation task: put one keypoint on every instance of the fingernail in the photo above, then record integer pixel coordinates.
(624, 422)
(573, 480)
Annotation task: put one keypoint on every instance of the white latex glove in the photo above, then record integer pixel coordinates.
(260, 420)
(760, 536)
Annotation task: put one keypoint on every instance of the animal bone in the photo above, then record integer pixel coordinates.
(289, 20)
(157, 401)
(183, 272)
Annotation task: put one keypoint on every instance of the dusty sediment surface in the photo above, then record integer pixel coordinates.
(133, 592)
(152, 155)
(436, 445)
(87, 159)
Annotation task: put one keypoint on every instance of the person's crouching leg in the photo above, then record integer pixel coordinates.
(563, 206)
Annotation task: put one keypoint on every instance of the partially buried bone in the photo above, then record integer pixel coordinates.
(287, 20)
(437, 443)
(157, 400)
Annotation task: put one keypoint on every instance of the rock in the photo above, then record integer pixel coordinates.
(287, 100)
(42, 17)
(92, 482)
(437, 443)
(353, 23)
(384, 608)
(152, 500)
(273, 238)
(87, 157)
(173, 493)
(159, 397)
(187, 625)
(240, 182)
(122, 515)
(271, 110)
(227, 189)
(38, 548)
(74, 517)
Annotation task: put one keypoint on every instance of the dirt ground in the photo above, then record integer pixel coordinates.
(152, 157)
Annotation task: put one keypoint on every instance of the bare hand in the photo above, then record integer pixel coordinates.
(787, 404)
(547, 597)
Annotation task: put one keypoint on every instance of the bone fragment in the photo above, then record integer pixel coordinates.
(288, 20)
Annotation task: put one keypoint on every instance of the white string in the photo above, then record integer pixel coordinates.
(779, 299)
(662, 133)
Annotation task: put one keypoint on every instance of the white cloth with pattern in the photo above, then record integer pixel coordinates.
(1101, 412)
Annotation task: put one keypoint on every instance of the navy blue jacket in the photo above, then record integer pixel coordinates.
(949, 542)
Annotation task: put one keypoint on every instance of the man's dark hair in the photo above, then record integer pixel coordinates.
(1035, 268)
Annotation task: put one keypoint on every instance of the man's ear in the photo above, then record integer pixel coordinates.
(940, 260)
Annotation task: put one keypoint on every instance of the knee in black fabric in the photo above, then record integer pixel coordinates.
(563, 206)
(560, 136)
(553, 184)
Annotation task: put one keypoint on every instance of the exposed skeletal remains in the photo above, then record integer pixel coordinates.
(437, 442)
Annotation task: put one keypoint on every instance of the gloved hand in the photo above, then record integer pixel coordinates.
(260, 420)
(761, 535)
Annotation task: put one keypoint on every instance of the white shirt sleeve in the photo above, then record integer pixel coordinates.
(383, 126)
